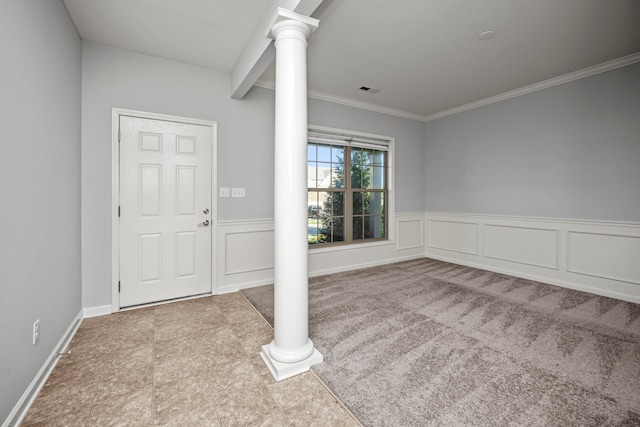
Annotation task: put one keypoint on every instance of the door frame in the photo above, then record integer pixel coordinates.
(115, 194)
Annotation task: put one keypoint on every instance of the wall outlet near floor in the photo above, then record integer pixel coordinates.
(36, 331)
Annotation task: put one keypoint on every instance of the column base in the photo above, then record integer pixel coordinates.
(282, 371)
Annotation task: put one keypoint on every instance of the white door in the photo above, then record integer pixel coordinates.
(165, 210)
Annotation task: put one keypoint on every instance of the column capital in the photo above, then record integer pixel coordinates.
(304, 23)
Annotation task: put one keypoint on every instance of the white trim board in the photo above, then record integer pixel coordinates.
(322, 96)
(555, 81)
(101, 310)
(568, 285)
(252, 265)
(26, 400)
(602, 262)
(532, 248)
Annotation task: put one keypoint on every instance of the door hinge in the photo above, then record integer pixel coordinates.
(118, 135)
(118, 211)
(118, 286)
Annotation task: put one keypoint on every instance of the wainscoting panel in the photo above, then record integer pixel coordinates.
(455, 236)
(245, 251)
(245, 254)
(410, 233)
(533, 246)
(609, 256)
(597, 257)
(252, 245)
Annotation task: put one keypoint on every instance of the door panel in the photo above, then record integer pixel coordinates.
(165, 190)
(186, 190)
(150, 182)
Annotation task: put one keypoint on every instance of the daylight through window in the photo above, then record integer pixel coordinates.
(347, 188)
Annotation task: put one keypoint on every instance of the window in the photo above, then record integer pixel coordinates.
(347, 188)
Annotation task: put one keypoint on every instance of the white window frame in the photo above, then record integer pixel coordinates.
(391, 208)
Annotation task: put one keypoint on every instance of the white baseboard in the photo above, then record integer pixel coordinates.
(269, 281)
(598, 257)
(245, 250)
(591, 256)
(515, 273)
(101, 310)
(26, 400)
(243, 285)
(364, 265)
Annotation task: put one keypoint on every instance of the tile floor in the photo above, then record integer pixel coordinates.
(189, 363)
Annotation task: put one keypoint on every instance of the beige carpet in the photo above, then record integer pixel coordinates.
(426, 342)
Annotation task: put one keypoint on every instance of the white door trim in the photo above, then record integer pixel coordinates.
(115, 193)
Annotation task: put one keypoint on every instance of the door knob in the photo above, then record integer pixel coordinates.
(205, 223)
(205, 211)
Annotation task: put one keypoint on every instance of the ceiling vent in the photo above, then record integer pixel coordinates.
(369, 89)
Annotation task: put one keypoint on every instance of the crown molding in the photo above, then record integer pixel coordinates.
(364, 105)
(349, 102)
(555, 81)
(545, 84)
(265, 84)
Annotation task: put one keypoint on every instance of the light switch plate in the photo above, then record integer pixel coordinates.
(237, 192)
(225, 192)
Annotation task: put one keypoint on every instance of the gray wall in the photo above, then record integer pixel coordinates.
(409, 151)
(40, 187)
(118, 78)
(571, 151)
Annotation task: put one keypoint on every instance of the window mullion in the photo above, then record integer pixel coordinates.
(348, 197)
(385, 194)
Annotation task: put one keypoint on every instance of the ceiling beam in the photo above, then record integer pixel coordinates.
(259, 53)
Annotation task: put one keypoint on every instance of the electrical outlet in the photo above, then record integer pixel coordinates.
(36, 331)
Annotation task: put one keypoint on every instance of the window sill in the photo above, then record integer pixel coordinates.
(350, 247)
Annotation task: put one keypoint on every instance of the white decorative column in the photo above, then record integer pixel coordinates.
(291, 352)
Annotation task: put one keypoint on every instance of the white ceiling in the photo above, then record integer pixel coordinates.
(209, 33)
(423, 55)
